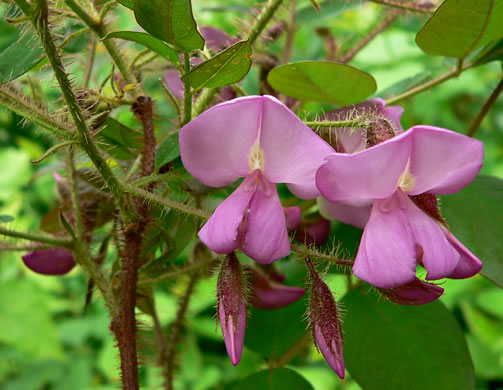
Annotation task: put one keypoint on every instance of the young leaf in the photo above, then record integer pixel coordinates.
(168, 150)
(492, 52)
(404, 85)
(127, 3)
(120, 141)
(393, 347)
(460, 26)
(329, 10)
(273, 332)
(170, 20)
(274, 379)
(149, 41)
(19, 57)
(227, 67)
(476, 209)
(322, 81)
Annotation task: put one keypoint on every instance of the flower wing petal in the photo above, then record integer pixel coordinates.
(386, 257)
(468, 265)
(266, 238)
(214, 147)
(356, 214)
(220, 232)
(292, 151)
(442, 161)
(369, 174)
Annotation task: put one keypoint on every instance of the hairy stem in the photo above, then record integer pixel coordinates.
(90, 61)
(418, 8)
(305, 251)
(263, 18)
(41, 24)
(187, 96)
(485, 109)
(343, 123)
(161, 346)
(172, 98)
(188, 269)
(60, 242)
(203, 100)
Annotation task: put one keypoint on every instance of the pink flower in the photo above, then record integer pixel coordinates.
(269, 294)
(398, 175)
(232, 306)
(52, 261)
(416, 292)
(258, 138)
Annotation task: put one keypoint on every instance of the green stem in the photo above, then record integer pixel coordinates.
(92, 20)
(25, 7)
(13, 101)
(203, 100)
(485, 109)
(403, 7)
(344, 123)
(180, 271)
(187, 96)
(154, 178)
(61, 242)
(429, 84)
(172, 98)
(40, 22)
(267, 12)
(305, 251)
(140, 193)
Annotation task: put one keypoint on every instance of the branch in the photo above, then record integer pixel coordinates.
(305, 251)
(418, 8)
(267, 12)
(61, 242)
(485, 109)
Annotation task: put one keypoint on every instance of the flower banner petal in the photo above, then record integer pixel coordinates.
(442, 161)
(369, 174)
(351, 213)
(292, 151)
(215, 146)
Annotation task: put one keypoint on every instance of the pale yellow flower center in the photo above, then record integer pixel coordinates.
(256, 157)
(407, 181)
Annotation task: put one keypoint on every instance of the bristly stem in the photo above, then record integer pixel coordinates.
(172, 98)
(49, 240)
(263, 18)
(187, 96)
(344, 123)
(305, 251)
(428, 10)
(430, 84)
(203, 100)
(90, 62)
(485, 109)
(41, 24)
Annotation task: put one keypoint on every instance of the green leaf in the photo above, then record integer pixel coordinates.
(170, 20)
(460, 26)
(20, 57)
(274, 379)
(121, 142)
(308, 15)
(127, 3)
(168, 150)
(6, 218)
(322, 81)
(404, 85)
(227, 67)
(273, 332)
(492, 52)
(393, 347)
(475, 217)
(149, 41)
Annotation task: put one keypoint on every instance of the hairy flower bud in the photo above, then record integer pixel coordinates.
(232, 306)
(325, 323)
(413, 293)
(53, 261)
(268, 294)
(313, 232)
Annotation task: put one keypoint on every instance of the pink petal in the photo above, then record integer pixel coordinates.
(216, 39)
(276, 296)
(413, 293)
(214, 147)
(393, 114)
(352, 213)
(369, 174)
(336, 362)
(386, 257)
(233, 331)
(292, 217)
(52, 261)
(313, 232)
(438, 256)
(468, 265)
(292, 151)
(174, 82)
(266, 238)
(220, 232)
(442, 161)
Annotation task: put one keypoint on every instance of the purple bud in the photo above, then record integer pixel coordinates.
(269, 294)
(325, 323)
(232, 306)
(53, 261)
(314, 232)
(292, 217)
(413, 293)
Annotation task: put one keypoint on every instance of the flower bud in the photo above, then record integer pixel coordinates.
(232, 306)
(413, 293)
(52, 261)
(314, 232)
(292, 217)
(325, 323)
(268, 294)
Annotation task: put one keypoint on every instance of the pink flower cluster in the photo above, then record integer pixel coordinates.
(378, 177)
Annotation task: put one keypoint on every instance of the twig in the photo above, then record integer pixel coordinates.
(263, 18)
(485, 109)
(61, 242)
